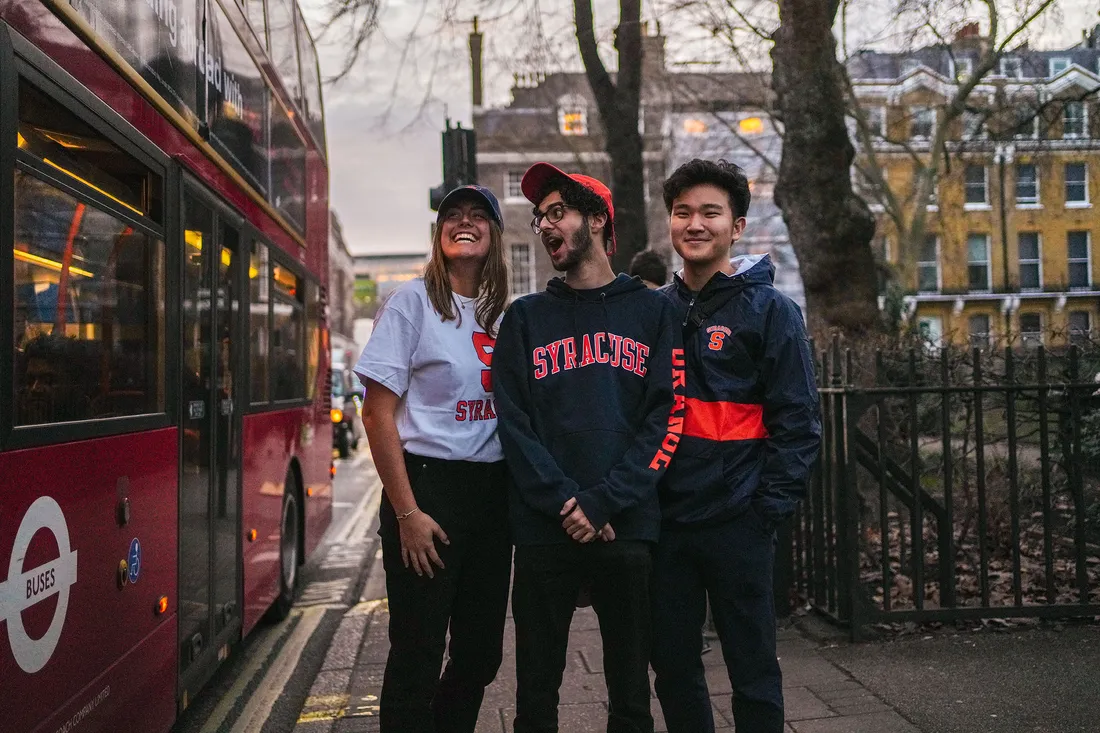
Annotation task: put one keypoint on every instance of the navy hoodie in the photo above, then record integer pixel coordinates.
(583, 382)
(752, 428)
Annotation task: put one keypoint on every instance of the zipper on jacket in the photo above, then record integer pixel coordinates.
(687, 316)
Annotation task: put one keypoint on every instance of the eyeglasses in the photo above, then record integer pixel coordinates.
(554, 214)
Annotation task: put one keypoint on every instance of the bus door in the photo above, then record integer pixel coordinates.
(210, 459)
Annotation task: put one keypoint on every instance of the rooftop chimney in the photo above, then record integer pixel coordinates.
(475, 67)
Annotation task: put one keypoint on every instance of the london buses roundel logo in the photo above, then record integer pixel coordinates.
(27, 587)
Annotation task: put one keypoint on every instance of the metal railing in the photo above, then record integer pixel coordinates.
(953, 485)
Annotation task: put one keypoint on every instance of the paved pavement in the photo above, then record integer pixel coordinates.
(820, 696)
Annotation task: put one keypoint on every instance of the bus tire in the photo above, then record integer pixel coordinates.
(289, 541)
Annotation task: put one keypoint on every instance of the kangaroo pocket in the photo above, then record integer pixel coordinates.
(587, 456)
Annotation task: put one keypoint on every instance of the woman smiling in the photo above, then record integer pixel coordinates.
(432, 431)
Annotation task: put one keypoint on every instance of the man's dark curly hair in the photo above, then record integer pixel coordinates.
(649, 266)
(580, 198)
(723, 174)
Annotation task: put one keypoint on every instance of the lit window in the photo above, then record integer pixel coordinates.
(1031, 329)
(976, 194)
(921, 123)
(964, 68)
(1077, 184)
(694, 127)
(979, 331)
(573, 115)
(1031, 265)
(928, 266)
(751, 126)
(977, 263)
(1074, 120)
(1027, 184)
(521, 269)
(1077, 255)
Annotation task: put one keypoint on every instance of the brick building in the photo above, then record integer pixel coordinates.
(1009, 253)
(553, 118)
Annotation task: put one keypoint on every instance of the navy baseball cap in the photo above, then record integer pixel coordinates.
(472, 191)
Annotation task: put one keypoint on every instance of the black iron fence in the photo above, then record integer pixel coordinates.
(953, 484)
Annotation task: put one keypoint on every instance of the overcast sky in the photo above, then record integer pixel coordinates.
(384, 121)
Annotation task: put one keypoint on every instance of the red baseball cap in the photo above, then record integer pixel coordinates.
(537, 176)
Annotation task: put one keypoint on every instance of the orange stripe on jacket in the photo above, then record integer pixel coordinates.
(724, 420)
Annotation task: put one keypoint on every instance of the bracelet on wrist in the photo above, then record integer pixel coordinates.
(405, 515)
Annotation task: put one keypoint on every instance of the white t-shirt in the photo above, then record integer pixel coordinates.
(440, 370)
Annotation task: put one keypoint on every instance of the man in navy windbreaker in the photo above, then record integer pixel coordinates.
(751, 434)
(584, 386)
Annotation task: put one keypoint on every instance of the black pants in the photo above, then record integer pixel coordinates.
(469, 597)
(731, 564)
(547, 580)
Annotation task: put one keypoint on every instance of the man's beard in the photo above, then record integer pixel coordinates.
(581, 243)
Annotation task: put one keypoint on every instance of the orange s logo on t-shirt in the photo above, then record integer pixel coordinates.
(484, 345)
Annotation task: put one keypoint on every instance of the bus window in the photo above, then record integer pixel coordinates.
(89, 311)
(288, 166)
(287, 336)
(311, 82)
(77, 155)
(313, 338)
(259, 328)
(283, 44)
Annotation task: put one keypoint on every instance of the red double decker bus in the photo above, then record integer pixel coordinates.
(165, 444)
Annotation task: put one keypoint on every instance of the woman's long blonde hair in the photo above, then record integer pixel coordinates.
(492, 296)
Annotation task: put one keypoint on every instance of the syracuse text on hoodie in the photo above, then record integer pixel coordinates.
(585, 385)
(752, 427)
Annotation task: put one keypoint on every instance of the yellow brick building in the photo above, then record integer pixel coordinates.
(1009, 251)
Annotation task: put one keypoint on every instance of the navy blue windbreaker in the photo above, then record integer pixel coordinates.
(584, 388)
(752, 426)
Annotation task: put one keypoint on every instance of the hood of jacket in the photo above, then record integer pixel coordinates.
(622, 285)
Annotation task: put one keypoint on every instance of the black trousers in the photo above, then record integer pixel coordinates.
(547, 580)
(732, 565)
(469, 598)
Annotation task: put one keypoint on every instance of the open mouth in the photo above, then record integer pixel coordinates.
(464, 237)
(553, 244)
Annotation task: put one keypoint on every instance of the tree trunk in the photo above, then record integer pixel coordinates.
(618, 104)
(830, 227)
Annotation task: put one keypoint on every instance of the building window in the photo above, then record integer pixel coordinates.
(922, 122)
(1027, 124)
(1077, 251)
(977, 263)
(1012, 67)
(522, 269)
(930, 329)
(1058, 65)
(979, 331)
(976, 194)
(964, 68)
(1074, 120)
(928, 266)
(573, 115)
(1027, 184)
(1031, 329)
(693, 126)
(876, 121)
(973, 125)
(750, 126)
(512, 188)
(1080, 327)
(1077, 184)
(1031, 265)
(908, 66)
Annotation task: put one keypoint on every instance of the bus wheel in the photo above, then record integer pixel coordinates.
(288, 552)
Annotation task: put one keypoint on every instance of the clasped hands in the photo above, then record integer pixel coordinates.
(577, 526)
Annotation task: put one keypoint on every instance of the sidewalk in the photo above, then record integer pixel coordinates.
(820, 697)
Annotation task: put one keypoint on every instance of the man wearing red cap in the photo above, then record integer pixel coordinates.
(583, 373)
